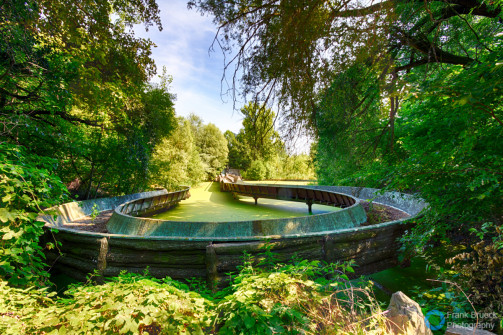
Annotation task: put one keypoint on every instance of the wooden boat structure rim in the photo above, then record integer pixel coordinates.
(231, 239)
(372, 247)
(244, 238)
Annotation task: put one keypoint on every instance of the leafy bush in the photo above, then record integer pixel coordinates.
(268, 303)
(256, 171)
(129, 304)
(301, 298)
(27, 186)
(481, 273)
(305, 297)
(20, 307)
(470, 281)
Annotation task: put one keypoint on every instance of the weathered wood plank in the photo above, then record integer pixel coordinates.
(128, 257)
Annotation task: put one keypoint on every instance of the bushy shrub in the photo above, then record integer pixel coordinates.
(304, 297)
(469, 287)
(301, 298)
(27, 185)
(480, 272)
(130, 304)
(256, 171)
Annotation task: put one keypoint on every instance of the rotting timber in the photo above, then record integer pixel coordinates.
(211, 249)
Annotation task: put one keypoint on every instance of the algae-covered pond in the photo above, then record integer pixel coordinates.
(207, 203)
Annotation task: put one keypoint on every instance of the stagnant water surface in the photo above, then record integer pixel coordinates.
(207, 203)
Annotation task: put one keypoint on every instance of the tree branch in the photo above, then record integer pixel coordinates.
(63, 115)
(429, 49)
(462, 7)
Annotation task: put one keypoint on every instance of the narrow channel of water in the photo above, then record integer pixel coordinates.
(207, 203)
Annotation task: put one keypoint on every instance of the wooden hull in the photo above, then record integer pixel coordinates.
(373, 248)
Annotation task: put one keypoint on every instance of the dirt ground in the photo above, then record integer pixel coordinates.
(98, 225)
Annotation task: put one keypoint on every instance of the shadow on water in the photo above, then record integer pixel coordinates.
(414, 278)
(207, 203)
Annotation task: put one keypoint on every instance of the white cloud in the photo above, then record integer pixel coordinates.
(182, 46)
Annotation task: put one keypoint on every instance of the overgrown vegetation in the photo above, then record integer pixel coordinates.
(27, 185)
(300, 298)
(413, 103)
(401, 95)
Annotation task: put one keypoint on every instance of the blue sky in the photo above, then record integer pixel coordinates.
(182, 46)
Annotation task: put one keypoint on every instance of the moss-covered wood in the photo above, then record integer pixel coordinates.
(373, 248)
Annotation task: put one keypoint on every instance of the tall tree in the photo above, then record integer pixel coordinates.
(212, 146)
(73, 86)
(239, 156)
(55, 55)
(176, 159)
(259, 132)
(290, 51)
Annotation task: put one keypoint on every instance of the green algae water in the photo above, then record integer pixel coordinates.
(207, 203)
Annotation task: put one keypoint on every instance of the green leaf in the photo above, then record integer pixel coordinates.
(10, 235)
(6, 215)
(249, 321)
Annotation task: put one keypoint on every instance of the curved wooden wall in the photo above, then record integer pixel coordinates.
(373, 248)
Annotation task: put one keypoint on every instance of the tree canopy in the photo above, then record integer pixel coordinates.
(76, 108)
(259, 151)
(400, 94)
(290, 51)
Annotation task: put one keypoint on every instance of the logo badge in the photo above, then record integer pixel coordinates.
(431, 319)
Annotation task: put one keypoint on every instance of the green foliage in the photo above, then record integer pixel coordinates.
(176, 160)
(259, 152)
(446, 298)
(300, 298)
(288, 53)
(192, 153)
(268, 303)
(454, 142)
(490, 231)
(20, 306)
(27, 185)
(413, 102)
(95, 212)
(298, 167)
(448, 141)
(212, 148)
(480, 272)
(257, 141)
(348, 119)
(77, 90)
(303, 297)
(126, 305)
(239, 150)
(256, 171)
(469, 280)
(259, 132)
